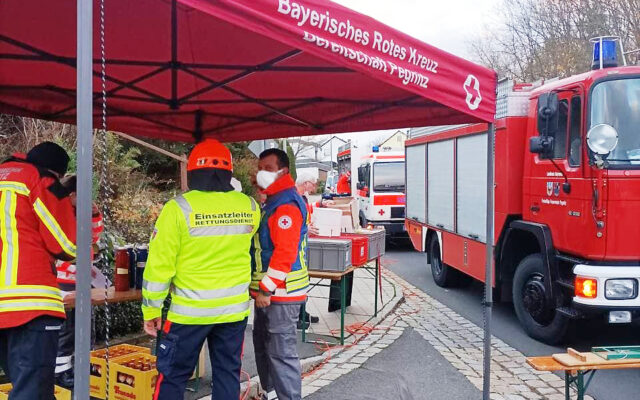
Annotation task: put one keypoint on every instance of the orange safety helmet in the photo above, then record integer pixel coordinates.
(210, 154)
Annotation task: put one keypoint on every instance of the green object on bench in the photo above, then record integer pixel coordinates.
(617, 352)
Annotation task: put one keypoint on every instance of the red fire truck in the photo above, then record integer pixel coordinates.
(567, 199)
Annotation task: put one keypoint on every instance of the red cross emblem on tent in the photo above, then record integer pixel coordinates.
(472, 88)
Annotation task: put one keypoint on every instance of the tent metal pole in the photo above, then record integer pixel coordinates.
(488, 291)
(84, 121)
(173, 104)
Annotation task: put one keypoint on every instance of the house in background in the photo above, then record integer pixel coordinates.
(319, 169)
(394, 143)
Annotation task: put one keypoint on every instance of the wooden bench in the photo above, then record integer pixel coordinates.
(576, 374)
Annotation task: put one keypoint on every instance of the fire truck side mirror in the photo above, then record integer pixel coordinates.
(548, 114)
(542, 145)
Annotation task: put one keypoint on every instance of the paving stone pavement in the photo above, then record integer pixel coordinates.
(458, 340)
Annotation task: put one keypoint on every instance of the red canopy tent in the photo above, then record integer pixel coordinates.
(230, 69)
(236, 70)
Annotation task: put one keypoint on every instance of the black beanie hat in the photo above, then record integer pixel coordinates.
(50, 156)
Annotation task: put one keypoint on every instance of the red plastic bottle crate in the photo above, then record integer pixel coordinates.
(359, 248)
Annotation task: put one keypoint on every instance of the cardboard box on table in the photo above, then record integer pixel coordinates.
(327, 221)
(59, 393)
(350, 219)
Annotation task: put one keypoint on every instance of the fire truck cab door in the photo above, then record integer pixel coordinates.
(559, 195)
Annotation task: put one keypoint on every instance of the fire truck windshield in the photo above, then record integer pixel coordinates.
(388, 176)
(617, 103)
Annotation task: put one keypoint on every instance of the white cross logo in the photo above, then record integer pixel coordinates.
(472, 88)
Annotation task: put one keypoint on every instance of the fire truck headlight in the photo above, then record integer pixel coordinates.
(621, 289)
(586, 287)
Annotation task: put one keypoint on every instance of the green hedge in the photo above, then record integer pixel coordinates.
(125, 319)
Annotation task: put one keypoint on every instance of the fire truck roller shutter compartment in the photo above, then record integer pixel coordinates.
(416, 183)
(440, 180)
(471, 178)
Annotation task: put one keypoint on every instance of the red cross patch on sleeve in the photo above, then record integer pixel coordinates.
(285, 222)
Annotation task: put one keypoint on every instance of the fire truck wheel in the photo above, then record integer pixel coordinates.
(443, 274)
(540, 321)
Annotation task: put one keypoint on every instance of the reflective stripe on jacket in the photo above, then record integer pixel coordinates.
(200, 250)
(280, 264)
(37, 225)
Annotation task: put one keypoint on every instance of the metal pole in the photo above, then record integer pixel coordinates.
(488, 283)
(84, 122)
(331, 153)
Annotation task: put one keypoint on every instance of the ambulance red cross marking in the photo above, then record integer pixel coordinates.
(381, 212)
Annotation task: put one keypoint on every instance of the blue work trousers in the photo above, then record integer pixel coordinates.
(178, 353)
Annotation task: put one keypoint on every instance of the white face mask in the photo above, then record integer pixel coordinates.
(266, 178)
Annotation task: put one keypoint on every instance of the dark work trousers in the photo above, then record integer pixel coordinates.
(178, 353)
(28, 357)
(66, 342)
(274, 341)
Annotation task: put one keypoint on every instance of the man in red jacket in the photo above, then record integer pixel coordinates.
(37, 226)
(344, 184)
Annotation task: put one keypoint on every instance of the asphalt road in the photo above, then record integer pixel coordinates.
(409, 369)
(606, 385)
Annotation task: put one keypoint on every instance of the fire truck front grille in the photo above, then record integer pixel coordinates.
(397, 212)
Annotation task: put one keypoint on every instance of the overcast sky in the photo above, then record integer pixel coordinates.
(449, 25)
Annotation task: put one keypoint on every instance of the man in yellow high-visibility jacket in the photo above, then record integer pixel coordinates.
(200, 250)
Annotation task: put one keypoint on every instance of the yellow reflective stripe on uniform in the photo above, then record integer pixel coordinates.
(208, 311)
(154, 286)
(9, 237)
(254, 205)
(54, 228)
(28, 305)
(211, 294)
(17, 187)
(295, 286)
(303, 262)
(31, 291)
(257, 253)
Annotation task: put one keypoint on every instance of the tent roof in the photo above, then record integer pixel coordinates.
(236, 70)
